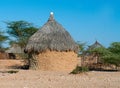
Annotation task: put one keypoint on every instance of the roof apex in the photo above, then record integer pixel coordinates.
(51, 18)
(95, 45)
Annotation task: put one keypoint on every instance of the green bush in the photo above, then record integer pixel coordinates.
(79, 69)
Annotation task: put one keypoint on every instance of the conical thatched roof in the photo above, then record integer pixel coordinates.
(95, 45)
(14, 49)
(52, 36)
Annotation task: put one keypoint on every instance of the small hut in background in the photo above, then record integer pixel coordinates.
(95, 45)
(89, 59)
(3, 55)
(52, 48)
(14, 52)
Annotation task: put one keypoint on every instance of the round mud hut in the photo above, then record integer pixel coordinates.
(52, 48)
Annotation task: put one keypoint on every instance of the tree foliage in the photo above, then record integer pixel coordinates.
(81, 47)
(115, 48)
(114, 56)
(99, 51)
(3, 38)
(20, 31)
(111, 59)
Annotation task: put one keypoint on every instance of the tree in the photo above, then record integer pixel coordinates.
(100, 51)
(3, 38)
(81, 47)
(20, 31)
(115, 47)
(113, 57)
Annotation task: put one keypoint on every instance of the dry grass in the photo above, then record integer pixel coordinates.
(51, 36)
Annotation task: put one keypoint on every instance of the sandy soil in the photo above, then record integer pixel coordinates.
(47, 79)
(7, 63)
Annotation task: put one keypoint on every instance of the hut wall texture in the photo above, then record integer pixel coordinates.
(55, 61)
(89, 60)
(3, 56)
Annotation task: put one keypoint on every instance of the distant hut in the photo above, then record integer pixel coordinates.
(3, 55)
(14, 52)
(52, 48)
(88, 58)
(1, 50)
(95, 45)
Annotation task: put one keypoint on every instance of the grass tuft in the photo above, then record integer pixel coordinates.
(79, 69)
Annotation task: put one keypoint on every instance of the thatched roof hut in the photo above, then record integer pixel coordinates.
(15, 49)
(1, 50)
(51, 36)
(95, 45)
(52, 47)
(89, 58)
(3, 55)
(15, 52)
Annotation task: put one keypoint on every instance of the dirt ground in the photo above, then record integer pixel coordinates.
(50, 79)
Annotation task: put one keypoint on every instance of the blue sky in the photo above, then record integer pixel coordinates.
(86, 20)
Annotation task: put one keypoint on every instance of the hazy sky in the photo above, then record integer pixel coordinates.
(85, 20)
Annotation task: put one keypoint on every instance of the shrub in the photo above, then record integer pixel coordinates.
(79, 69)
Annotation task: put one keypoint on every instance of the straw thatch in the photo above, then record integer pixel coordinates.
(52, 48)
(52, 36)
(95, 45)
(14, 49)
(15, 52)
